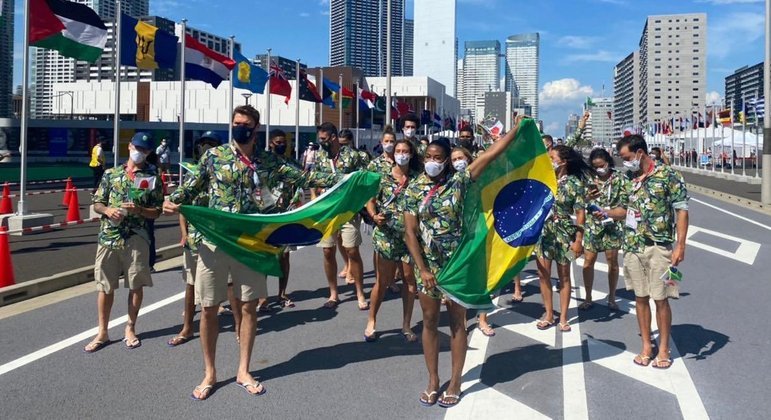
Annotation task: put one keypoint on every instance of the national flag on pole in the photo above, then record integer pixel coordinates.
(308, 90)
(380, 104)
(403, 108)
(589, 102)
(202, 63)
(247, 75)
(347, 97)
(256, 240)
(425, 117)
(503, 215)
(724, 118)
(437, 121)
(146, 47)
(367, 98)
(330, 90)
(73, 29)
(279, 84)
(759, 106)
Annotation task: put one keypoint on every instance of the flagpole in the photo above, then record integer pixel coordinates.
(232, 76)
(757, 149)
(765, 186)
(116, 117)
(321, 94)
(24, 114)
(340, 101)
(714, 150)
(732, 138)
(297, 111)
(744, 135)
(722, 146)
(695, 164)
(182, 97)
(267, 103)
(388, 64)
(425, 107)
(356, 106)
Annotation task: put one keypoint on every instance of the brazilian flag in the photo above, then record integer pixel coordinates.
(503, 215)
(256, 240)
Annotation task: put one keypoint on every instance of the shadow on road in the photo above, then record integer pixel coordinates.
(697, 342)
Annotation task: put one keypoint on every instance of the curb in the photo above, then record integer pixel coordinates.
(732, 199)
(33, 288)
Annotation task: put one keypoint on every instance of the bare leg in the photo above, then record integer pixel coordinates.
(187, 321)
(345, 272)
(642, 306)
(247, 333)
(458, 345)
(408, 297)
(134, 303)
(664, 324)
(430, 308)
(103, 308)
(590, 258)
(209, 332)
(235, 307)
(544, 280)
(612, 256)
(385, 271)
(283, 281)
(517, 288)
(330, 269)
(564, 276)
(356, 272)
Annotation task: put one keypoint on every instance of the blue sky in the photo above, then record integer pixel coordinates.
(581, 40)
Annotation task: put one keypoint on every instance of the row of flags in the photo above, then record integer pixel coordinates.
(714, 117)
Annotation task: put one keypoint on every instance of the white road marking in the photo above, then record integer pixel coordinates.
(573, 381)
(746, 252)
(53, 348)
(746, 219)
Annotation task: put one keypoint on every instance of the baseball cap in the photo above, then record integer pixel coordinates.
(143, 140)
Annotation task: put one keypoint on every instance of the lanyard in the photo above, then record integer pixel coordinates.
(431, 193)
(396, 192)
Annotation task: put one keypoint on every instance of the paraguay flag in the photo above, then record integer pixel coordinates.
(503, 214)
(201, 63)
(256, 240)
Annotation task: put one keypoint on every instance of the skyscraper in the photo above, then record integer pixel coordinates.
(673, 58)
(626, 94)
(746, 83)
(481, 68)
(409, 47)
(436, 49)
(599, 127)
(522, 67)
(357, 35)
(6, 57)
(48, 67)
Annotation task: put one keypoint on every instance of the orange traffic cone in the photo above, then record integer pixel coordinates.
(67, 192)
(6, 207)
(164, 181)
(6, 267)
(73, 211)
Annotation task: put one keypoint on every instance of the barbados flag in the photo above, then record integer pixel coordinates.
(256, 240)
(146, 47)
(503, 215)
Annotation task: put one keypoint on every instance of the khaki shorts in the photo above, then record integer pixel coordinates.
(133, 261)
(350, 232)
(189, 263)
(643, 271)
(212, 272)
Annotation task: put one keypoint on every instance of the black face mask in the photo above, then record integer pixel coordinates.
(326, 146)
(466, 144)
(242, 134)
(280, 149)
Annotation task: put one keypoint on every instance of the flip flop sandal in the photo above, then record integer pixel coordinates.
(331, 304)
(517, 299)
(255, 385)
(342, 274)
(544, 324)
(613, 306)
(264, 309)
(657, 363)
(488, 331)
(430, 399)
(445, 396)
(410, 336)
(565, 327)
(287, 303)
(370, 338)
(585, 306)
(176, 341)
(97, 345)
(643, 361)
(133, 344)
(364, 306)
(203, 392)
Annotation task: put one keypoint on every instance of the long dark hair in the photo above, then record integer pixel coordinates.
(415, 162)
(601, 154)
(574, 162)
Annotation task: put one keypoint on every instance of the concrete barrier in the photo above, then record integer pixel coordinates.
(33, 288)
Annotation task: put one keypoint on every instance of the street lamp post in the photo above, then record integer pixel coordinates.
(246, 96)
(71, 94)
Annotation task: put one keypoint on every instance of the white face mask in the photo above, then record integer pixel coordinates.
(602, 171)
(402, 159)
(556, 165)
(388, 147)
(136, 156)
(433, 169)
(460, 165)
(409, 132)
(632, 165)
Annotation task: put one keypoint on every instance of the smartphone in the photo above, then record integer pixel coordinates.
(593, 208)
(593, 188)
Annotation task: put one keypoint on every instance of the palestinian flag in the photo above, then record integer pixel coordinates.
(75, 30)
(257, 240)
(503, 214)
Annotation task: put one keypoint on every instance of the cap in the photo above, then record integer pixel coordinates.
(143, 140)
(210, 136)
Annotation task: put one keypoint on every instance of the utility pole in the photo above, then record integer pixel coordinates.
(765, 190)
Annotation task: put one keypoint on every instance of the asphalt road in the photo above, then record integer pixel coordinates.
(315, 363)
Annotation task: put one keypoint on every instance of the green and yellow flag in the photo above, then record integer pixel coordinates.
(256, 240)
(504, 212)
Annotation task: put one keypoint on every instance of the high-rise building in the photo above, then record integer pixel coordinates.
(357, 35)
(48, 67)
(481, 68)
(599, 127)
(522, 67)
(436, 50)
(626, 94)
(571, 126)
(6, 58)
(673, 66)
(745, 84)
(459, 80)
(408, 61)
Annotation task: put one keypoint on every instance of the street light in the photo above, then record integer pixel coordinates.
(246, 96)
(72, 100)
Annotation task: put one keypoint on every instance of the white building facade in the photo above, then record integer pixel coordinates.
(481, 70)
(435, 45)
(599, 127)
(626, 94)
(522, 67)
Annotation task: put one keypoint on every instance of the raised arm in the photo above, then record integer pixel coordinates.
(478, 166)
(576, 138)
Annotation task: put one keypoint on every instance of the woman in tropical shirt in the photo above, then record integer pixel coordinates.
(433, 222)
(561, 240)
(397, 166)
(602, 234)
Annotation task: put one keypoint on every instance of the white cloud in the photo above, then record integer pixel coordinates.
(602, 56)
(576, 41)
(736, 31)
(305, 14)
(713, 97)
(563, 91)
(552, 128)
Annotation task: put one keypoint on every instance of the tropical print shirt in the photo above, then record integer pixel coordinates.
(612, 195)
(573, 140)
(237, 184)
(439, 209)
(114, 189)
(559, 231)
(285, 194)
(652, 203)
(346, 161)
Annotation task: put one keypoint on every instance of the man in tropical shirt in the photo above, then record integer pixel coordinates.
(655, 215)
(126, 197)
